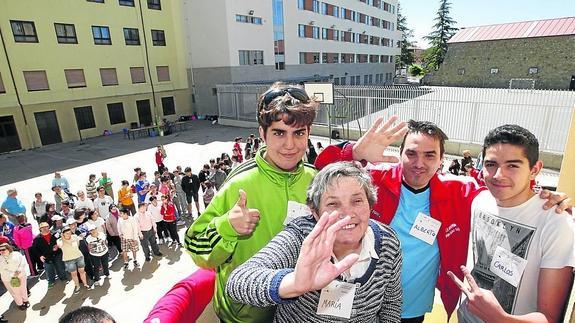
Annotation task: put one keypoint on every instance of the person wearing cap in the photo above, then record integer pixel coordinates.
(98, 248)
(13, 264)
(50, 254)
(83, 202)
(125, 197)
(38, 207)
(57, 225)
(12, 205)
(102, 203)
(106, 182)
(72, 257)
(23, 239)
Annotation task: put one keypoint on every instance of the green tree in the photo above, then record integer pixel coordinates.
(406, 56)
(443, 31)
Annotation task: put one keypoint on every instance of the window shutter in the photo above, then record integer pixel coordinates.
(75, 78)
(108, 76)
(36, 80)
(138, 75)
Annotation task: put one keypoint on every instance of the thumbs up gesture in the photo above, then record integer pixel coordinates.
(242, 219)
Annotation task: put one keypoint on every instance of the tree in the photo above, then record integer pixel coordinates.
(443, 31)
(406, 56)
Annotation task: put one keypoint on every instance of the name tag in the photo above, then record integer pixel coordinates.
(336, 299)
(425, 228)
(295, 210)
(508, 266)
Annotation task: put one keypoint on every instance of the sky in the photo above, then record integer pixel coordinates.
(469, 13)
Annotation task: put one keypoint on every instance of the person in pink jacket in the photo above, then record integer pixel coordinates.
(23, 238)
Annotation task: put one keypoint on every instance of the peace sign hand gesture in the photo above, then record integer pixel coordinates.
(314, 269)
(371, 146)
(480, 302)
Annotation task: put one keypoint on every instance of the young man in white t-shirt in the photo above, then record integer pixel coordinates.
(523, 256)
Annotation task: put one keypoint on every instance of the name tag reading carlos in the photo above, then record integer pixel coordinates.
(336, 299)
(425, 228)
(295, 210)
(508, 266)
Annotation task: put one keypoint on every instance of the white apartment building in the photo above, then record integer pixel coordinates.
(343, 41)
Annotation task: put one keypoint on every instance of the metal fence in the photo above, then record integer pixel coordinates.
(465, 114)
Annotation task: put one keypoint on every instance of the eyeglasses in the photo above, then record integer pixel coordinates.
(295, 92)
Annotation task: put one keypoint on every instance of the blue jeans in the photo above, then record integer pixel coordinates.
(56, 265)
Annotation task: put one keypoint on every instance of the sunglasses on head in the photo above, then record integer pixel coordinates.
(295, 92)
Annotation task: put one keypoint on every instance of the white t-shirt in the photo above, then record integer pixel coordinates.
(98, 246)
(85, 204)
(103, 206)
(157, 195)
(156, 212)
(99, 224)
(542, 237)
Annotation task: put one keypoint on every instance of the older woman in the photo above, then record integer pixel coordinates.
(13, 274)
(333, 265)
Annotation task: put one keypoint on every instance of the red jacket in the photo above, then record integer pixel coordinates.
(159, 158)
(450, 203)
(168, 212)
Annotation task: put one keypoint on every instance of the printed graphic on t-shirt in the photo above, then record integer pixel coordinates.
(489, 232)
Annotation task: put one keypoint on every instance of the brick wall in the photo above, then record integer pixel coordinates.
(470, 64)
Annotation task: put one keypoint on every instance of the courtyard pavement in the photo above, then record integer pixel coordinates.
(129, 294)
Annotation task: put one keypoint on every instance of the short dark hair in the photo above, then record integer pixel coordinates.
(143, 204)
(426, 128)
(125, 210)
(188, 169)
(514, 135)
(125, 182)
(288, 103)
(87, 314)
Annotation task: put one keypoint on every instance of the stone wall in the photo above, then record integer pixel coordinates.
(470, 64)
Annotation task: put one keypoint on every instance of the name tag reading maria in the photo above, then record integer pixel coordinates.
(508, 266)
(295, 210)
(336, 299)
(425, 228)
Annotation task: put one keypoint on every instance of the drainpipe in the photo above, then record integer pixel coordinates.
(27, 126)
(156, 117)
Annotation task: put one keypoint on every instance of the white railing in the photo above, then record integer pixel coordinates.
(465, 114)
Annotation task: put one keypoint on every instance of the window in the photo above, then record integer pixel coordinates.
(301, 4)
(365, 81)
(168, 105)
(24, 31)
(336, 81)
(163, 73)
(84, 118)
(66, 33)
(138, 75)
(98, 1)
(308, 58)
(129, 3)
(324, 33)
(256, 20)
(315, 5)
(315, 31)
(494, 70)
(108, 76)
(158, 38)
(154, 4)
(301, 31)
(324, 8)
(131, 36)
(75, 78)
(241, 18)
(533, 70)
(251, 57)
(335, 11)
(342, 80)
(116, 113)
(336, 35)
(36, 80)
(461, 71)
(249, 19)
(101, 35)
(2, 88)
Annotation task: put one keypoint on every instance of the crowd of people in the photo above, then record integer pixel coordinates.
(373, 242)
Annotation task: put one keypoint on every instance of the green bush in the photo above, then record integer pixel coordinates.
(416, 70)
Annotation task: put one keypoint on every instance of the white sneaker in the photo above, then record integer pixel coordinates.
(160, 241)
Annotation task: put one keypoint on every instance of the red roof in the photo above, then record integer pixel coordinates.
(525, 29)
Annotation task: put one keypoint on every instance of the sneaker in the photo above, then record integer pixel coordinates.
(88, 286)
(159, 254)
(148, 259)
(51, 285)
(160, 241)
(180, 222)
(27, 304)
(97, 283)
(22, 307)
(126, 265)
(136, 264)
(180, 245)
(171, 244)
(77, 290)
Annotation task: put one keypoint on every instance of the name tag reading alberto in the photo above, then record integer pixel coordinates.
(425, 228)
(336, 299)
(508, 266)
(295, 210)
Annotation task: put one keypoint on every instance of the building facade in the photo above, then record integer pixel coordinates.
(345, 42)
(531, 54)
(72, 69)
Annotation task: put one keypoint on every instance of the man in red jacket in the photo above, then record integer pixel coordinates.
(429, 211)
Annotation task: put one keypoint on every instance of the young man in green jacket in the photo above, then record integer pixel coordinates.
(257, 198)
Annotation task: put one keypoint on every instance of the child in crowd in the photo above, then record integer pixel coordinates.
(168, 212)
(98, 246)
(129, 235)
(208, 193)
(147, 226)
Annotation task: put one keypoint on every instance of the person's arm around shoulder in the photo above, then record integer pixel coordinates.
(212, 238)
